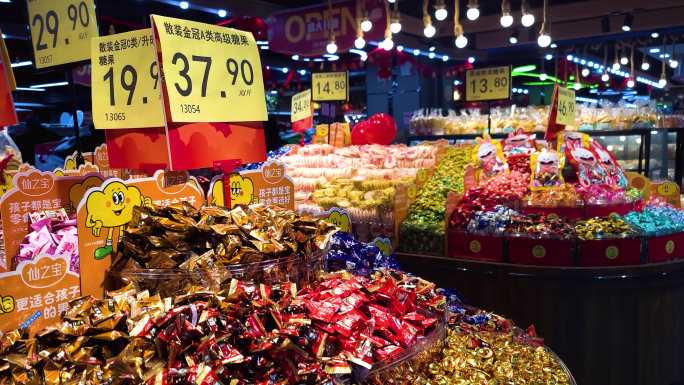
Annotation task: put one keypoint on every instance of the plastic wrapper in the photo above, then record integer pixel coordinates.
(346, 253)
(53, 234)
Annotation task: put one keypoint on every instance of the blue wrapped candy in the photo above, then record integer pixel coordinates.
(491, 222)
(347, 253)
(656, 220)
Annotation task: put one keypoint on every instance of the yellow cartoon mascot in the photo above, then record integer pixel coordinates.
(112, 208)
(241, 191)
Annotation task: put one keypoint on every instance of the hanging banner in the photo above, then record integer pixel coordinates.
(302, 31)
(61, 30)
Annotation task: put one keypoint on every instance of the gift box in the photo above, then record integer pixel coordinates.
(608, 209)
(610, 252)
(541, 251)
(666, 247)
(570, 212)
(475, 246)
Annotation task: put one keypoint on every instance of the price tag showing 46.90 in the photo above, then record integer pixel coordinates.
(330, 86)
(125, 81)
(61, 30)
(211, 73)
(566, 107)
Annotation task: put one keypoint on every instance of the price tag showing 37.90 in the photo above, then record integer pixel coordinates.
(61, 30)
(330, 86)
(210, 73)
(301, 106)
(125, 81)
(488, 84)
(566, 107)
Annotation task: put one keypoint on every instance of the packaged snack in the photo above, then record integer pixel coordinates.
(547, 169)
(589, 170)
(488, 159)
(519, 142)
(615, 174)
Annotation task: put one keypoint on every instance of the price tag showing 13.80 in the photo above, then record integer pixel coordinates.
(61, 30)
(330, 86)
(125, 81)
(301, 106)
(488, 84)
(566, 107)
(210, 73)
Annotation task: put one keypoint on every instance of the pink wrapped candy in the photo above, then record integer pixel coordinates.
(53, 234)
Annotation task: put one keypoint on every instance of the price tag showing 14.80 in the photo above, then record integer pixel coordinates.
(330, 86)
(125, 81)
(566, 107)
(301, 106)
(61, 30)
(210, 73)
(488, 84)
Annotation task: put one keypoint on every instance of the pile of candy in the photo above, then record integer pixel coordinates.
(603, 227)
(347, 253)
(491, 222)
(565, 195)
(54, 234)
(657, 220)
(603, 194)
(541, 226)
(242, 335)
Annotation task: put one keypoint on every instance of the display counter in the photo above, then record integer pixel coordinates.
(611, 325)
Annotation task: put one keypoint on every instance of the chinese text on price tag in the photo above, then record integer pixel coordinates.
(566, 107)
(211, 73)
(330, 86)
(125, 81)
(488, 84)
(301, 106)
(61, 30)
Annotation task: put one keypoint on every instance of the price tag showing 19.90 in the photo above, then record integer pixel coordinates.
(488, 84)
(330, 86)
(301, 106)
(61, 30)
(210, 73)
(566, 107)
(125, 81)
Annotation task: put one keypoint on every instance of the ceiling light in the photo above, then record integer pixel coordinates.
(644, 65)
(46, 85)
(654, 50)
(445, 58)
(655, 35)
(441, 12)
(542, 76)
(22, 64)
(461, 41)
(184, 5)
(295, 57)
(473, 11)
(431, 55)
(624, 60)
(400, 48)
(577, 86)
(429, 30)
(506, 20)
(471, 59)
(554, 45)
(585, 72)
(222, 13)
(627, 23)
(630, 83)
(432, 48)
(569, 57)
(674, 64)
(395, 26)
(366, 24)
(359, 42)
(416, 52)
(543, 40)
(663, 81)
(387, 44)
(513, 39)
(285, 70)
(302, 72)
(331, 48)
(605, 77)
(527, 18)
(548, 56)
(30, 89)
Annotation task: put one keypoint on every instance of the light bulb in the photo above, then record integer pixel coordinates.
(387, 44)
(331, 48)
(662, 82)
(184, 5)
(441, 14)
(506, 20)
(471, 59)
(431, 55)
(655, 35)
(605, 77)
(513, 39)
(366, 25)
(395, 27)
(674, 64)
(473, 13)
(542, 76)
(585, 72)
(624, 60)
(630, 83)
(461, 41)
(645, 66)
(429, 30)
(616, 66)
(391, 1)
(527, 20)
(222, 13)
(577, 86)
(548, 56)
(359, 42)
(544, 40)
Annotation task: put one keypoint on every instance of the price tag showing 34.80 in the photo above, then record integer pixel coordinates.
(488, 84)
(566, 107)
(61, 30)
(125, 81)
(301, 106)
(330, 86)
(211, 73)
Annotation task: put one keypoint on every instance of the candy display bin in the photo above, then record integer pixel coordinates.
(168, 282)
(610, 252)
(526, 250)
(665, 247)
(475, 246)
(604, 210)
(570, 212)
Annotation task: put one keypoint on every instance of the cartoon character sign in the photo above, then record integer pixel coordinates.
(111, 209)
(519, 142)
(615, 174)
(241, 191)
(488, 158)
(547, 169)
(571, 140)
(589, 171)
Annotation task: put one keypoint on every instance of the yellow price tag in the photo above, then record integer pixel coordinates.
(61, 30)
(488, 84)
(211, 73)
(566, 107)
(301, 106)
(125, 81)
(330, 86)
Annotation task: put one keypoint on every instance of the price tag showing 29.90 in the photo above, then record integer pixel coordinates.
(61, 30)
(125, 81)
(566, 107)
(330, 86)
(488, 84)
(211, 73)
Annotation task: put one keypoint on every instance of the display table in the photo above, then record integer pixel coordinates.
(611, 325)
